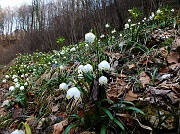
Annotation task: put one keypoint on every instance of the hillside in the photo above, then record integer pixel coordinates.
(119, 82)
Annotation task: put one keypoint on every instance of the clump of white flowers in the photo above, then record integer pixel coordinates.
(104, 65)
(90, 37)
(73, 92)
(63, 86)
(87, 68)
(103, 80)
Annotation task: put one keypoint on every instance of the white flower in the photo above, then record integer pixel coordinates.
(22, 76)
(152, 14)
(26, 75)
(87, 68)
(11, 88)
(4, 81)
(113, 31)
(145, 18)
(172, 10)
(107, 25)
(17, 85)
(7, 76)
(102, 36)
(14, 76)
(26, 83)
(62, 52)
(129, 20)
(80, 76)
(86, 45)
(103, 80)
(89, 37)
(80, 69)
(73, 92)
(120, 35)
(18, 132)
(158, 11)
(104, 65)
(15, 80)
(22, 88)
(62, 67)
(126, 26)
(63, 86)
(73, 49)
(6, 102)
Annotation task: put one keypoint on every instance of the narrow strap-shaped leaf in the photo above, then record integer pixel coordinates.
(108, 113)
(103, 129)
(69, 127)
(134, 109)
(119, 124)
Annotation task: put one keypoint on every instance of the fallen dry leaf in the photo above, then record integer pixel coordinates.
(58, 128)
(173, 57)
(130, 96)
(55, 108)
(144, 78)
(131, 66)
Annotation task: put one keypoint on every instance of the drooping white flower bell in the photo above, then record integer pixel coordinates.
(21, 88)
(126, 26)
(11, 88)
(104, 65)
(73, 92)
(87, 68)
(89, 37)
(80, 69)
(18, 132)
(103, 80)
(63, 86)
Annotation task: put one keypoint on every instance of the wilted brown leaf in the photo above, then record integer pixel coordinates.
(58, 128)
(116, 89)
(173, 57)
(131, 66)
(145, 127)
(55, 108)
(130, 96)
(144, 78)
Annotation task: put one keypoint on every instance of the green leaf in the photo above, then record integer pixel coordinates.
(134, 109)
(27, 128)
(69, 127)
(103, 129)
(108, 113)
(89, 76)
(127, 102)
(119, 124)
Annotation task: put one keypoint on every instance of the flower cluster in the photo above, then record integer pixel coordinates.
(104, 65)
(73, 92)
(90, 37)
